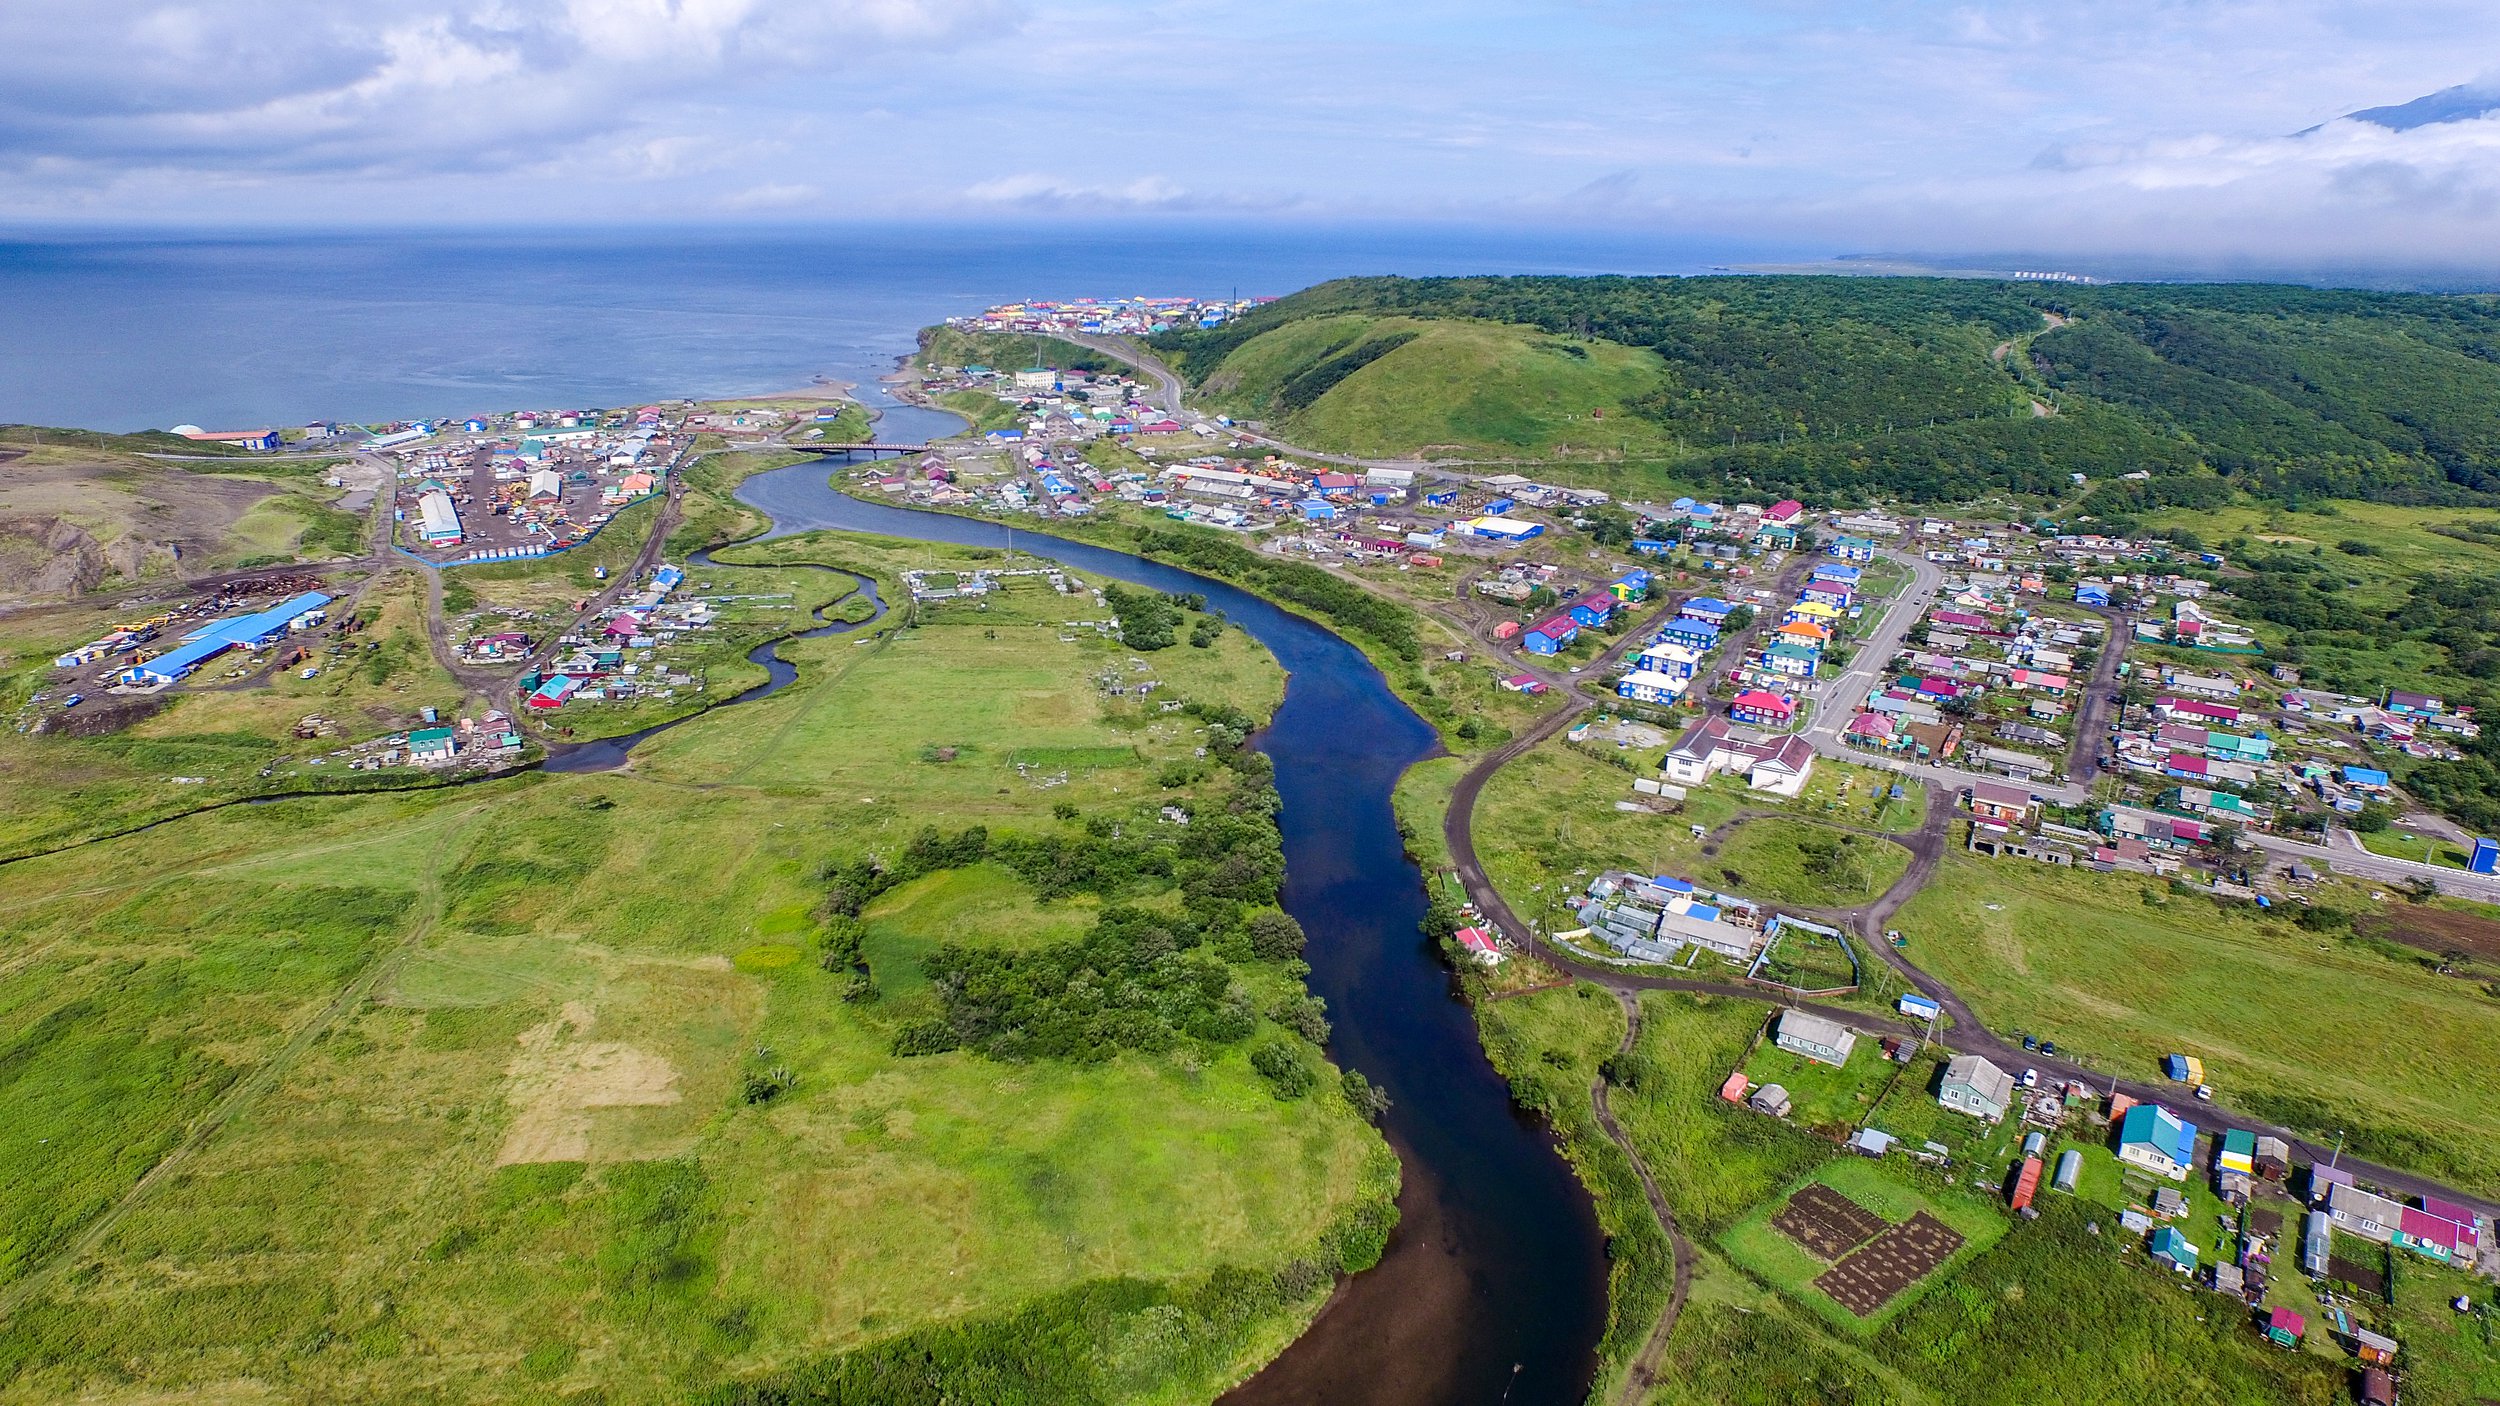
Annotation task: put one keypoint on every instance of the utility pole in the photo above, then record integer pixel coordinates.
(2339, 1150)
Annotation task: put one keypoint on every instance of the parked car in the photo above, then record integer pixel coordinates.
(73, 700)
(2048, 1047)
(2031, 1078)
(2030, 1045)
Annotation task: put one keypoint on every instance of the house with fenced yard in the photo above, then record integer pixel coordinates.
(1815, 1038)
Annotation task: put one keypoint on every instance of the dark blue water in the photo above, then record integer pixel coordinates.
(126, 333)
(1495, 1288)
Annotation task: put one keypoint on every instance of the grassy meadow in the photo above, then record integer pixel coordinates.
(445, 1095)
(2313, 1030)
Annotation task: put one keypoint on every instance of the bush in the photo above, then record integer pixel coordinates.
(1305, 1015)
(1287, 1076)
(1147, 621)
(1275, 935)
(1365, 1097)
(763, 1086)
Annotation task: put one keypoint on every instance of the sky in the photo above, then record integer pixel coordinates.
(2194, 130)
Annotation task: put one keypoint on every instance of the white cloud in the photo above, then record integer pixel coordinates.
(400, 87)
(1034, 189)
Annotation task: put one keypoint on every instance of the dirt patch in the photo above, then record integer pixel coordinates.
(1828, 1224)
(72, 526)
(103, 714)
(2439, 930)
(560, 1078)
(1890, 1263)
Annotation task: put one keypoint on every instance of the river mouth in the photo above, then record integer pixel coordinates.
(1493, 1288)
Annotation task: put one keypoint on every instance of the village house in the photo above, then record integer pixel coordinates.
(1823, 1041)
(1790, 660)
(2001, 804)
(1595, 609)
(1977, 1087)
(1650, 686)
(2158, 1140)
(1696, 635)
(1550, 636)
(1673, 660)
(1779, 766)
(2201, 686)
(1762, 708)
(1855, 550)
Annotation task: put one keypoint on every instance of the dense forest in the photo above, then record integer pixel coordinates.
(1939, 389)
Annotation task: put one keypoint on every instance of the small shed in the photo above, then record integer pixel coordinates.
(2377, 1349)
(2069, 1171)
(2285, 1328)
(2171, 1248)
(1771, 1099)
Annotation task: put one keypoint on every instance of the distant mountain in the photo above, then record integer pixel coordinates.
(2462, 103)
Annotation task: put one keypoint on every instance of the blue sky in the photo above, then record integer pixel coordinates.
(2141, 127)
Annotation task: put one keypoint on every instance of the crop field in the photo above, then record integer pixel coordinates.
(449, 1094)
(2124, 972)
(1898, 1241)
(1828, 1224)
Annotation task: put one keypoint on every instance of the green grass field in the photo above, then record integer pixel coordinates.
(1789, 861)
(1827, 1100)
(1780, 1261)
(442, 1090)
(2123, 972)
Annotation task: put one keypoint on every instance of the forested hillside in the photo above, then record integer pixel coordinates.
(1840, 388)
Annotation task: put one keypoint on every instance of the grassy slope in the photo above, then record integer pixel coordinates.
(2096, 964)
(1458, 385)
(349, 1233)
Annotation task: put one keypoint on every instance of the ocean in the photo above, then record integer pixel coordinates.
(244, 331)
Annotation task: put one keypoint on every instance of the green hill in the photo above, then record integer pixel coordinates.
(1394, 385)
(1936, 389)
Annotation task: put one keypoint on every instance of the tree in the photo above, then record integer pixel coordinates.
(1275, 936)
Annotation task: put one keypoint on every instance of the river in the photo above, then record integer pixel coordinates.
(1494, 1288)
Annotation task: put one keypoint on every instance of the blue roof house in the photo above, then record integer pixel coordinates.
(2171, 1248)
(2158, 1140)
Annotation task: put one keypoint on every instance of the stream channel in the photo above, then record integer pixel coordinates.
(1493, 1289)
